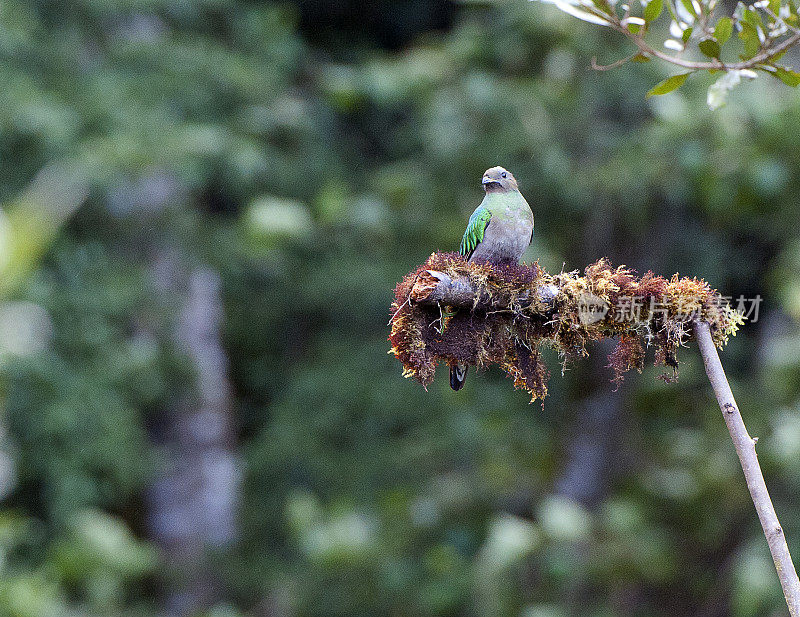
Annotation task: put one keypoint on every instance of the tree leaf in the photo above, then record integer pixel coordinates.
(752, 17)
(668, 85)
(710, 48)
(749, 36)
(687, 35)
(604, 6)
(687, 4)
(723, 30)
(787, 76)
(777, 56)
(640, 58)
(653, 10)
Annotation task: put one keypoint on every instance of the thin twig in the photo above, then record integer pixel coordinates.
(613, 65)
(746, 449)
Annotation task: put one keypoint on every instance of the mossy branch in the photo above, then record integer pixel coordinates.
(451, 311)
(746, 449)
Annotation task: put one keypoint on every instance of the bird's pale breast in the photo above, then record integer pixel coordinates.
(508, 233)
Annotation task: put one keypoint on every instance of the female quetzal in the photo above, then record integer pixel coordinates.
(499, 231)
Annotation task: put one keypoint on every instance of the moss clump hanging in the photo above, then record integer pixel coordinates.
(455, 312)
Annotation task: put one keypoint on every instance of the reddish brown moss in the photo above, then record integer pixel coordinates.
(526, 368)
(506, 326)
(627, 355)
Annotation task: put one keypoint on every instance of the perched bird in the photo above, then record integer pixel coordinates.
(499, 231)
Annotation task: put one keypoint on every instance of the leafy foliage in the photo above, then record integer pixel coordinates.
(668, 85)
(766, 29)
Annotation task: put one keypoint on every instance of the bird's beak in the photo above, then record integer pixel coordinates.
(486, 180)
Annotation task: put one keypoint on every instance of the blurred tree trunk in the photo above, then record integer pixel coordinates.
(591, 451)
(193, 505)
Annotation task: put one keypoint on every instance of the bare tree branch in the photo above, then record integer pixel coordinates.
(746, 449)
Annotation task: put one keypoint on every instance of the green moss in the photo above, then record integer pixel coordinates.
(508, 322)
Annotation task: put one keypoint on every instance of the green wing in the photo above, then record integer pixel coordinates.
(476, 227)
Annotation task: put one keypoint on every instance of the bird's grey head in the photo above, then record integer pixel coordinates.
(498, 179)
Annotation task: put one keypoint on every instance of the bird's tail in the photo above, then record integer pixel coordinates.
(458, 375)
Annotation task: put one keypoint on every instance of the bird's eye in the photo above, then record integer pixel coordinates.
(504, 174)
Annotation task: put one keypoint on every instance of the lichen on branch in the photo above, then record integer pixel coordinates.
(451, 311)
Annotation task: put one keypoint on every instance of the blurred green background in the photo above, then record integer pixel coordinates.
(206, 205)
